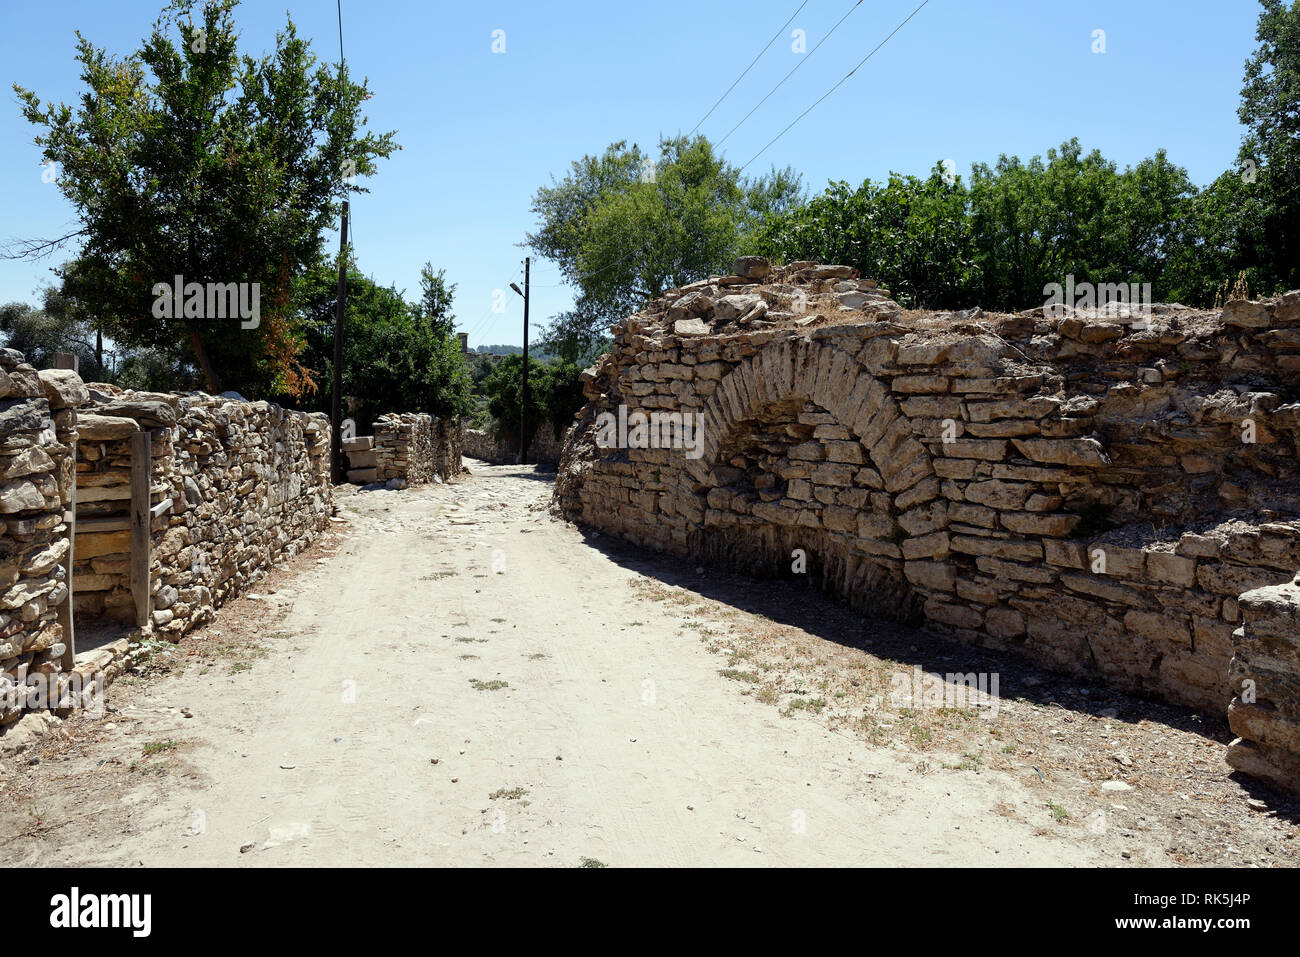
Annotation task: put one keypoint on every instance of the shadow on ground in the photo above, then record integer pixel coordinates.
(803, 605)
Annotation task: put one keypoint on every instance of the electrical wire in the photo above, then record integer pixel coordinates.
(802, 60)
(836, 86)
(748, 68)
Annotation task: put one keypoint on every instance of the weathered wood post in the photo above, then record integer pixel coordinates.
(141, 469)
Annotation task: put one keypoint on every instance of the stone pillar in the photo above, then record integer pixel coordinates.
(1265, 677)
(38, 438)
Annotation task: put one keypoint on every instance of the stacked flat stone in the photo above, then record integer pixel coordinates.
(448, 447)
(416, 448)
(1265, 676)
(1088, 492)
(544, 447)
(38, 433)
(249, 487)
(404, 447)
(360, 451)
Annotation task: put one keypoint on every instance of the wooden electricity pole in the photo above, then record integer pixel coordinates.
(336, 397)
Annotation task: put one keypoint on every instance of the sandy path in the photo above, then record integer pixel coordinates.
(629, 748)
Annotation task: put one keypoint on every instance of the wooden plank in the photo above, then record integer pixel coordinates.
(141, 467)
(112, 523)
(65, 609)
(162, 508)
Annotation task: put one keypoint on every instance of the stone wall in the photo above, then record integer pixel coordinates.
(543, 448)
(38, 422)
(415, 448)
(1092, 491)
(1265, 673)
(404, 448)
(448, 447)
(240, 487)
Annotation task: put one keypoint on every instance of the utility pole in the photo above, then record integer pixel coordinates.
(523, 395)
(336, 397)
(523, 413)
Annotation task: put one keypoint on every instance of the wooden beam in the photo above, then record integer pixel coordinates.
(111, 523)
(162, 508)
(141, 469)
(65, 609)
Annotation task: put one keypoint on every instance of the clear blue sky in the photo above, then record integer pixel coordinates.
(965, 80)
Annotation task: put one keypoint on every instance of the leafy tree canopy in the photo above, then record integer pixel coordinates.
(187, 158)
(623, 227)
(397, 359)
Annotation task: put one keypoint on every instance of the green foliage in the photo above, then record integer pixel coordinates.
(909, 233)
(397, 358)
(186, 158)
(554, 395)
(560, 394)
(1017, 227)
(436, 295)
(1036, 223)
(1270, 110)
(623, 228)
(60, 325)
(504, 389)
(39, 333)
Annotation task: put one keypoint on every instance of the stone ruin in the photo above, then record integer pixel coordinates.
(149, 510)
(234, 487)
(1104, 493)
(543, 447)
(408, 448)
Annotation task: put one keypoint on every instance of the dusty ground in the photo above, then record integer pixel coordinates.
(452, 678)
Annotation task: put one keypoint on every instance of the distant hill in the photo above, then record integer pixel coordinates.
(501, 350)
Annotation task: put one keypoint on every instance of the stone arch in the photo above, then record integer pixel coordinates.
(831, 378)
(851, 526)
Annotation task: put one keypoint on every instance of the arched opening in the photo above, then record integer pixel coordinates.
(791, 494)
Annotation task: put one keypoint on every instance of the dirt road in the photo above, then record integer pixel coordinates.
(457, 679)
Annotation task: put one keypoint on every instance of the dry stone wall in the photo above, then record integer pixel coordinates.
(404, 448)
(239, 486)
(1265, 672)
(38, 435)
(407, 449)
(1093, 491)
(544, 447)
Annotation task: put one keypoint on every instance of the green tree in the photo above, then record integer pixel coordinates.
(554, 395)
(910, 234)
(504, 389)
(396, 359)
(624, 227)
(435, 299)
(1018, 226)
(560, 394)
(1270, 110)
(1074, 214)
(189, 159)
(58, 325)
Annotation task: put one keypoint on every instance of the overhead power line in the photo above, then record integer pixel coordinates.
(748, 68)
(802, 60)
(482, 323)
(836, 86)
(340, 6)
